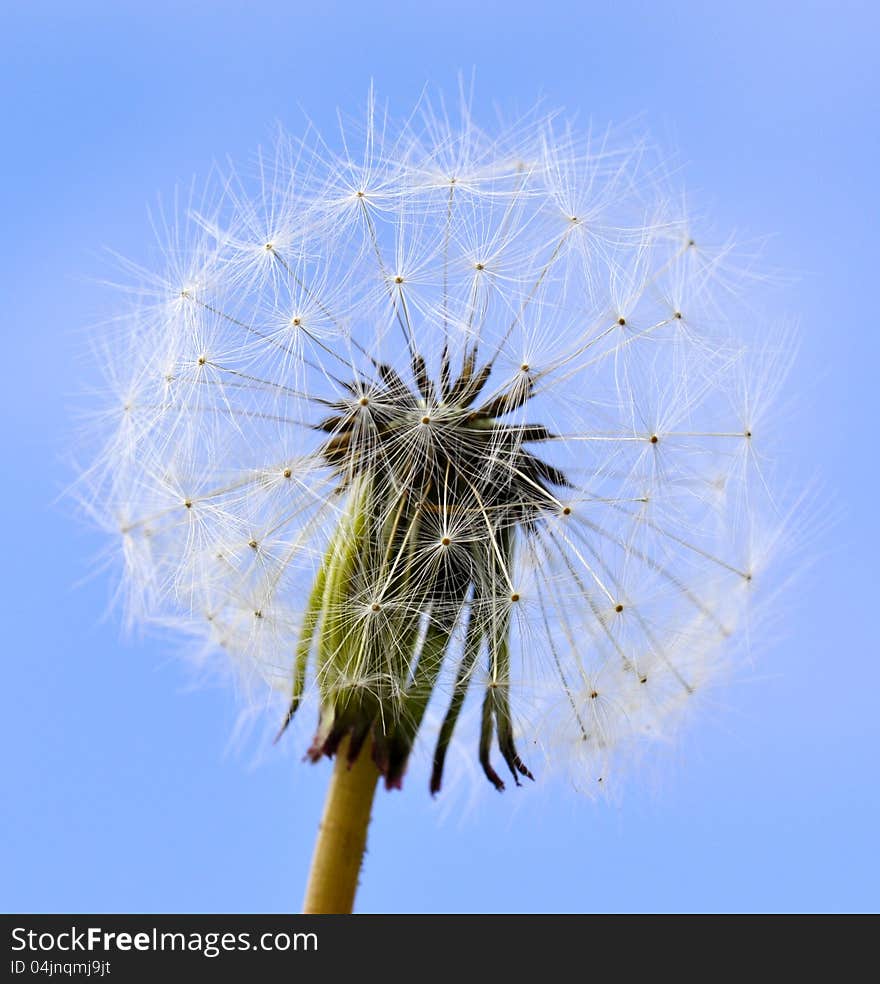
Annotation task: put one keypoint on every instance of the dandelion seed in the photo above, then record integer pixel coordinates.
(461, 429)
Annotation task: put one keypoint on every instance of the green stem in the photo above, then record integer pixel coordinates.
(342, 834)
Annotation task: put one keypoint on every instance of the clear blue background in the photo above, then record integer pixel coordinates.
(119, 790)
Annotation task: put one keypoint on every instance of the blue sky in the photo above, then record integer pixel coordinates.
(123, 790)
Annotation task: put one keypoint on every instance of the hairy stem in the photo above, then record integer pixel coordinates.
(342, 834)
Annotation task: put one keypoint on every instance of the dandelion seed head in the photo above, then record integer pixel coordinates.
(495, 487)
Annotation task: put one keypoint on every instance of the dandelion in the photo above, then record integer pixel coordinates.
(441, 419)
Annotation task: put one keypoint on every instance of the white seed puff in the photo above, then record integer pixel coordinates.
(426, 414)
